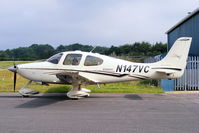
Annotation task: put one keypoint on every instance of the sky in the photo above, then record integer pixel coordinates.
(89, 22)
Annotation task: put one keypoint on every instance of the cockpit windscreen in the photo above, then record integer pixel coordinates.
(55, 58)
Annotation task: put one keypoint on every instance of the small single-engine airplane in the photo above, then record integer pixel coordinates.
(82, 68)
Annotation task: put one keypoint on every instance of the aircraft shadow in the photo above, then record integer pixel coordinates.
(10, 96)
(43, 100)
(127, 96)
(133, 97)
(48, 98)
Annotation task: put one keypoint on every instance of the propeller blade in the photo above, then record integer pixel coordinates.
(15, 79)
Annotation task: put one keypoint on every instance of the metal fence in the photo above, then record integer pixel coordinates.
(190, 80)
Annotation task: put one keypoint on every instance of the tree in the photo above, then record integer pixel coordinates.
(44, 51)
(4, 56)
(159, 48)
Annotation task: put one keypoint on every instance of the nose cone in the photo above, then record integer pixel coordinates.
(13, 68)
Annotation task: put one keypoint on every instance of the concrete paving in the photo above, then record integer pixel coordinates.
(100, 113)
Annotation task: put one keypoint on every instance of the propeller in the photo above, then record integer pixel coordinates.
(15, 76)
(14, 70)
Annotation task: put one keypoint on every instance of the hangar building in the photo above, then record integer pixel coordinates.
(187, 27)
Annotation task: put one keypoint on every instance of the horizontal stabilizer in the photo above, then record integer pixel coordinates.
(166, 71)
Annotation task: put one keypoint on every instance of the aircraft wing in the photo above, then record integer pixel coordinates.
(76, 75)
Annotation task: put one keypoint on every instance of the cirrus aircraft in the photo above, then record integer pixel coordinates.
(83, 68)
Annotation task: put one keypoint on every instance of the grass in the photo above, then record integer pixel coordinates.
(6, 84)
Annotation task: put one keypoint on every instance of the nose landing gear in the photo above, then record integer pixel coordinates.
(26, 92)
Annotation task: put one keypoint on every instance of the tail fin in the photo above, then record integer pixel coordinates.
(176, 57)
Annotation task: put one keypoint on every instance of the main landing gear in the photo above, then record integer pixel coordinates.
(77, 92)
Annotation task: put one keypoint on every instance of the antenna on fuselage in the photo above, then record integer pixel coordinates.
(93, 49)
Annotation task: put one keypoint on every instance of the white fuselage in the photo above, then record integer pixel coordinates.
(111, 70)
(78, 68)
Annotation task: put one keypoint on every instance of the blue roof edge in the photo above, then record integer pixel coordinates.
(183, 20)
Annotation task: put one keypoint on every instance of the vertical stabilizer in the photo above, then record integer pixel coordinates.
(177, 56)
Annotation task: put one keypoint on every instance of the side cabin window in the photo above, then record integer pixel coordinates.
(92, 61)
(72, 59)
(55, 58)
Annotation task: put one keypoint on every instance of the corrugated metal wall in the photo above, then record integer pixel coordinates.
(189, 28)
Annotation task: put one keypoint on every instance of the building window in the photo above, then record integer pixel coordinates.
(72, 59)
(92, 61)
